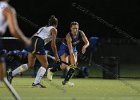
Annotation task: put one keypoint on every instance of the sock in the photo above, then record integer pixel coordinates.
(20, 69)
(69, 74)
(56, 68)
(39, 75)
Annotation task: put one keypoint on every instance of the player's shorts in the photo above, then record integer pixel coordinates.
(64, 49)
(37, 46)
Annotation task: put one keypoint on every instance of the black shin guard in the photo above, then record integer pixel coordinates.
(69, 74)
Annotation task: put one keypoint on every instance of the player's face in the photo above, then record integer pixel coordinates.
(74, 28)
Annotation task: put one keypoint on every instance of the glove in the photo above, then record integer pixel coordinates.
(73, 66)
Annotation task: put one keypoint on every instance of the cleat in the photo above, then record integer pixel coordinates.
(64, 82)
(70, 84)
(49, 74)
(67, 83)
(38, 85)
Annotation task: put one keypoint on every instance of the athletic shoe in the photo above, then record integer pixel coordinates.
(64, 82)
(70, 84)
(49, 74)
(67, 83)
(38, 85)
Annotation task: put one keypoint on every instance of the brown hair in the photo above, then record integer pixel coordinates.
(74, 23)
(53, 21)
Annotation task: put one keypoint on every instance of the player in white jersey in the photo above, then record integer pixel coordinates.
(8, 19)
(37, 50)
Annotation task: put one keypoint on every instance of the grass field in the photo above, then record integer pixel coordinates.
(84, 89)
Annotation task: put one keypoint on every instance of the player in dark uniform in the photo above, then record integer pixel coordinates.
(36, 50)
(68, 52)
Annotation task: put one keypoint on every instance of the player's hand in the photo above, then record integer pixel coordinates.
(83, 50)
(57, 59)
(73, 66)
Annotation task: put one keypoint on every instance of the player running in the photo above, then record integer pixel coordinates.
(43, 36)
(8, 18)
(68, 50)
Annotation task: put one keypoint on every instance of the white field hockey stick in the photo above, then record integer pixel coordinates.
(11, 89)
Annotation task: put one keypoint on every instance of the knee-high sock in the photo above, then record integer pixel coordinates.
(39, 75)
(20, 69)
(69, 74)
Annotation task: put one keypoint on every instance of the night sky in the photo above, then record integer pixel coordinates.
(122, 13)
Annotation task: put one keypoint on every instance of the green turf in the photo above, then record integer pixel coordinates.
(84, 89)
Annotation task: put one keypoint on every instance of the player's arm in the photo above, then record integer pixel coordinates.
(84, 38)
(69, 44)
(15, 31)
(53, 43)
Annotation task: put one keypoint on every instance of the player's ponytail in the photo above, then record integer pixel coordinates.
(53, 21)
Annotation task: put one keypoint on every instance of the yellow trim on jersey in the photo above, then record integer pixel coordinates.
(35, 46)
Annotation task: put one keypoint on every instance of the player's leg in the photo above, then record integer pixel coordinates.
(70, 72)
(2, 69)
(44, 65)
(11, 89)
(51, 71)
(23, 67)
(65, 59)
(63, 51)
(1, 73)
(75, 54)
(4, 79)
